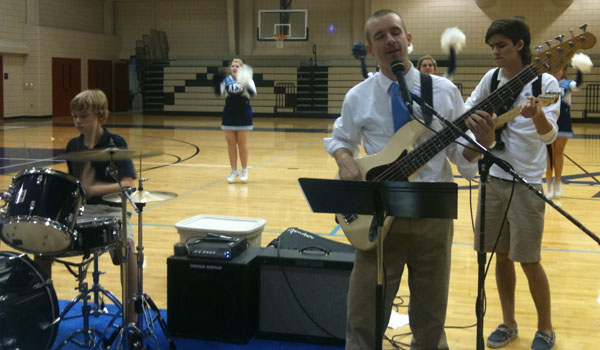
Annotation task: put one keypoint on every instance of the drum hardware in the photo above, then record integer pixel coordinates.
(88, 337)
(144, 306)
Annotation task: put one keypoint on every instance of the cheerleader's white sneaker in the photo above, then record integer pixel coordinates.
(550, 189)
(232, 176)
(557, 189)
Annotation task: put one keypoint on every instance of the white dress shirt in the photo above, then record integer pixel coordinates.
(523, 149)
(367, 117)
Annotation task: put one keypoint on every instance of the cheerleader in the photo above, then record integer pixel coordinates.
(427, 65)
(237, 114)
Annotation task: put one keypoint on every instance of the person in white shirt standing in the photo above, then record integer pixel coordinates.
(424, 245)
(524, 147)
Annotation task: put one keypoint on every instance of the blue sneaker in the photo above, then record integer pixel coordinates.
(502, 336)
(541, 341)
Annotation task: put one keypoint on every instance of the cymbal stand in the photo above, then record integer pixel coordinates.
(122, 333)
(143, 302)
(92, 337)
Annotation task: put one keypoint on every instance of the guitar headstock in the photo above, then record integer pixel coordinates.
(556, 58)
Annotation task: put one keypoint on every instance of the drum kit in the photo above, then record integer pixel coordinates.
(40, 216)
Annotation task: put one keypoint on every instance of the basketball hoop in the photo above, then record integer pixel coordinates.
(279, 39)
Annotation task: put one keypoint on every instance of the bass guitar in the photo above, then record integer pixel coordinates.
(400, 161)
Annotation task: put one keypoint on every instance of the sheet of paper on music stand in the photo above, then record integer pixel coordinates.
(397, 320)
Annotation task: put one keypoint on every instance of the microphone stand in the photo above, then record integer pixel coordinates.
(484, 165)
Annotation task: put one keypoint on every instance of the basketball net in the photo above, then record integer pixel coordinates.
(279, 39)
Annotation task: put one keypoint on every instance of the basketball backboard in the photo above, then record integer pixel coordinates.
(292, 23)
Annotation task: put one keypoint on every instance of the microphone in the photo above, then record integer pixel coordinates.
(398, 70)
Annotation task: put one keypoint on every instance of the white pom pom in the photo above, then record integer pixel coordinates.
(409, 49)
(582, 62)
(453, 37)
(244, 75)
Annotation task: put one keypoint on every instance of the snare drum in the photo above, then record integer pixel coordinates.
(95, 235)
(28, 305)
(42, 209)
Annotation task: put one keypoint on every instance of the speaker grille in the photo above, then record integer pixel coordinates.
(303, 298)
(213, 299)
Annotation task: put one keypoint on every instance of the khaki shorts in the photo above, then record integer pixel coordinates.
(521, 235)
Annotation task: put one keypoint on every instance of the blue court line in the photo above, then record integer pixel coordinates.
(546, 249)
(335, 230)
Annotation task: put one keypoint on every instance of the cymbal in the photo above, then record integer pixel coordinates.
(141, 196)
(108, 154)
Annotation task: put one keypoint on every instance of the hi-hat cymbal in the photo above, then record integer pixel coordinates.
(141, 196)
(108, 154)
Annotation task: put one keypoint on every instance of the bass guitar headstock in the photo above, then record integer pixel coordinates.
(555, 58)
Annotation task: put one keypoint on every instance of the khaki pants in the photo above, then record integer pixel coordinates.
(424, 246)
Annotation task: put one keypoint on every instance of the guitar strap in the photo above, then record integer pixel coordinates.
(427, 95)
(536, 89)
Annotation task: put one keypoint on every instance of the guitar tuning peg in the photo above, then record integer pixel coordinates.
(560, 37)
(583, 27)
(539, 48)
(571, 31)
(548, 42)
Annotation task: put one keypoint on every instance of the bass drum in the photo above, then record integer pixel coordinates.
(28, 305)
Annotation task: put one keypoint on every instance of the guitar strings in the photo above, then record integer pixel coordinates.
(402, 168)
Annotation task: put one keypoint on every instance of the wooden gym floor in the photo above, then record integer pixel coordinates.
(194, 165)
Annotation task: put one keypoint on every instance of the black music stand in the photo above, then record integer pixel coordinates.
(381, 199)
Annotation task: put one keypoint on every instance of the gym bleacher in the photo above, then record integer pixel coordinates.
(188, 90)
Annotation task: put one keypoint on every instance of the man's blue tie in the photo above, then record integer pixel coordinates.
(399, 110)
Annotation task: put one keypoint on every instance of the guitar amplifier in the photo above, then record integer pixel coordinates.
(213, 299)
(302, 295)
(295, 238)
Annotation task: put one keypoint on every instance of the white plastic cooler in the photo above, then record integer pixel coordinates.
(200, 225)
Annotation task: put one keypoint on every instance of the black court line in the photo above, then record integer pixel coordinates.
(18, 158)
(189, 127)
